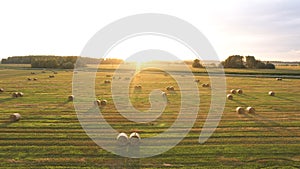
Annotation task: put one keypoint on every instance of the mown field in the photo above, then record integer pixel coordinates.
(49, 134)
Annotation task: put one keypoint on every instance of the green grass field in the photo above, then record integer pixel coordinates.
(49, 134)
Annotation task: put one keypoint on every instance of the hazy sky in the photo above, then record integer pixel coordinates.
(267, 29)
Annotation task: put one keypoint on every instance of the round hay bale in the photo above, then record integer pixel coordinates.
(240, 110)
(239, 91)
(15, 117)
(29, 79)
(55, 73)
(250, 110)
(271, 93)
(138, 87)
(15, 95)
(70, 98)
(1, 90)
(164, 94)
(233, 91)
(205, 85)
(33, 73)
(97, 102)
(134, 138)
(279, 79)
(107, 81)
(122, 139)
(35, 79)
(229, 97)
(20, 94)
(170, 88)
(103, 103)
(197, 80)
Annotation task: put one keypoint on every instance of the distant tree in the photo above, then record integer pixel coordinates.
(234, 61)
(197, 64)
(250, 62)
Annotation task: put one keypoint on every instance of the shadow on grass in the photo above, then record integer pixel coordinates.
(239, 102)
(6, 123)
(6, 100)
(247, 96)
(282, 98)
(270, 125)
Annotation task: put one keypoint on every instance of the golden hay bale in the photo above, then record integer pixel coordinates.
(138, 87)
(70, 98)
(33, 73)
(51, 76)
(55, 73)
(107, 81)
(20, 94)
(170, 88)
(28, 79)
(250, 110)
(197, 80)
(1, 90)
(240, 110)
(15, 95)
(279, 79)
(239, 91)
(134, 138)
(233, 91)
(103, 103)
(122, 139)
(15, 117)
(229, 97)
(163, 94)
(271, 93)
(205, 85)
(35, 79)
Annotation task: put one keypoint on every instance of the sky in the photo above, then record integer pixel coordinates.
(266, 29)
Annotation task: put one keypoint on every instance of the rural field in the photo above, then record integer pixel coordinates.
(49, 135)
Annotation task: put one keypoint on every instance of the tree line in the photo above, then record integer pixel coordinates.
(57, 62)
(240, 62)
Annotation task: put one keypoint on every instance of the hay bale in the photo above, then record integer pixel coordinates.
(103, 103)
(271, 93)
(134, 138)
(1, 90)
(20, 94)
(138, 87)
(250, 110)
(43, 71)
(170, 88)
(122, 139)
(70, 98)
(279, 79)
(229, 97)
(29, 79)
(205, 85)
(164, 94)
(239, 91)
(55, 73)
(233, 91)
(35, 79)
(240, 110)
(51, 76)
(107, 82)
(33, 73)
(15, 117)
(97, 102)
(15, 95)
(197, 80)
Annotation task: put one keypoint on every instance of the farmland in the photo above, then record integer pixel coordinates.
(49, 134)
